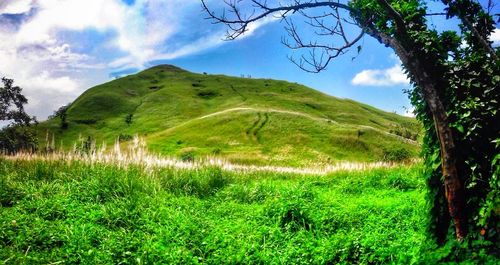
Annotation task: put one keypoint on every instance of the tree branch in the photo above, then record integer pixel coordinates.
(398, 19)
(486, 46)
(239, 24)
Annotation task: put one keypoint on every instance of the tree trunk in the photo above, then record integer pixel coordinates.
(454, 188)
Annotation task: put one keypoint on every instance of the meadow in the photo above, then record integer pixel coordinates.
(70, 212)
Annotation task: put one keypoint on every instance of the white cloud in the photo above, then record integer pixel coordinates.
(211, 41)
(495, 37)
(394, 75)
(54, 70)
(45, 90)
(15, 6)
(381, 77)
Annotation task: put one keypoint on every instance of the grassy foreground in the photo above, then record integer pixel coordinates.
(67, 213)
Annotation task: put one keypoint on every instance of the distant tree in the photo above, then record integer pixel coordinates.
(128, 119)
(12, 103)
(18, 135)
(15, 138)
(62, 114)
(455, 87)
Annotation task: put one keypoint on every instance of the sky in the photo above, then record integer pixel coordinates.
(57, 49)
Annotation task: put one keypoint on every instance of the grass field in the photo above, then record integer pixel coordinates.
(58, 212)
(243, 120)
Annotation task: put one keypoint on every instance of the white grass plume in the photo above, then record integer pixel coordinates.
(137, 155)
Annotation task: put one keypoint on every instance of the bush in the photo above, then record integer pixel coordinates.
(397, 154)
(128, 119)
(18, 138)
(125, 137)
(187, 156)
(292, 211)
(62, 113)
(216, 151)
(207, 94)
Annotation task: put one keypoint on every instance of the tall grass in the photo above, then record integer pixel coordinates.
(136, 154)
(76, 212)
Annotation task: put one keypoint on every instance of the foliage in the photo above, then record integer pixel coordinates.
(396, 154)
(410, 131)
(85, 146)
(455, 91)
(62, 114)
(15, 138)
(470, 90)
(125, 137)
(128, 119)
(187, 155)
(12, 103)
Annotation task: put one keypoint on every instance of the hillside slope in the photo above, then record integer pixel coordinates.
(256, 121)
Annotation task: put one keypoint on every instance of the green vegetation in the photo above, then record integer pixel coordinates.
(246, 121)
(77, 213)
(18, 134)
(454, 72)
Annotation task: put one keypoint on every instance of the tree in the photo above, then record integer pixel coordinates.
(12, 103)
(14, 138)
(17, 135)
(63, 115)
(436, 63)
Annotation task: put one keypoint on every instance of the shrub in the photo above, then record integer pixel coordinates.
(197, 85)
(207, 94)
(9, 193)
(18, 138)
(216, 151)
(187, 156)
(397, 154)
(62, 113)
(128, 119)
(125, 137)
(292, 211)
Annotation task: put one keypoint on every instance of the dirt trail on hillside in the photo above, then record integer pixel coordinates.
(264, 110)
(302, 115)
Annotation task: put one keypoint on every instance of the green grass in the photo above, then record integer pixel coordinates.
(100, 214)
(281, 123)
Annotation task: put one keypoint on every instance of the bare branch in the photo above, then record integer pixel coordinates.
(239, 23)
(325, 24)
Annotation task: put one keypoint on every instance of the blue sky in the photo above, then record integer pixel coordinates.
(56, 49)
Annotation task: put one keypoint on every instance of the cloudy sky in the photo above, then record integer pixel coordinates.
(56, 49)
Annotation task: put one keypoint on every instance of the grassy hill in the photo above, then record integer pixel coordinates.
(250, 121)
